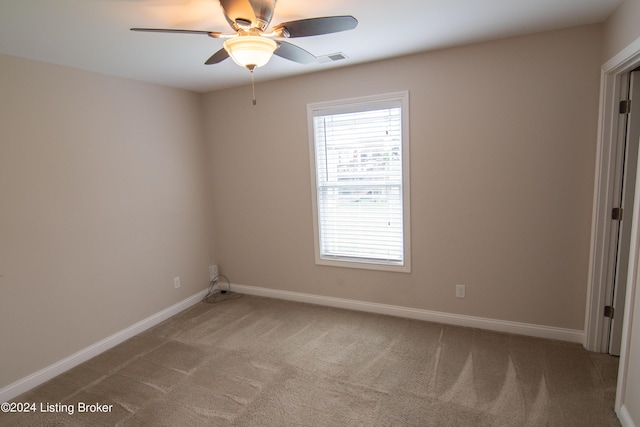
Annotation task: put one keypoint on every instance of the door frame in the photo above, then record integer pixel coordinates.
(613, 80)
(631, 133)
(612, 77)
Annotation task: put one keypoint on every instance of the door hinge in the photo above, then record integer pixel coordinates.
(608, 311)
(625, 106)
(616, 214)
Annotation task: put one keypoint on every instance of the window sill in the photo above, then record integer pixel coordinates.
(363, 264)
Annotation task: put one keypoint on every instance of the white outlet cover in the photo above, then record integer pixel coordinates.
(460, 291)
(176, 282)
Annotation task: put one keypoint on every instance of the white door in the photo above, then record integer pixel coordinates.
(632, 143)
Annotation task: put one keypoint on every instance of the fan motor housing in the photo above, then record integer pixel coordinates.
(243, 14)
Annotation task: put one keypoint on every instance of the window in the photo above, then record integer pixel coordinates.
(360, 178)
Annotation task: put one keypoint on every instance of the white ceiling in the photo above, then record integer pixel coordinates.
(94, 34)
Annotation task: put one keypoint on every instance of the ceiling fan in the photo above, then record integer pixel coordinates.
(252, 46)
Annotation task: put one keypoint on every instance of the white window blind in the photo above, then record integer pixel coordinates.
(358, 154)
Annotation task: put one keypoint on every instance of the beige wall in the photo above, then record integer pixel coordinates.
(621, 28)
(502, 167)
(103, 202)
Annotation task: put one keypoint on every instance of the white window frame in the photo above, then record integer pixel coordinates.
(352, 105)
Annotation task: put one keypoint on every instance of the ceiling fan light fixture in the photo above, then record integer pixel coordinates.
(250, 51)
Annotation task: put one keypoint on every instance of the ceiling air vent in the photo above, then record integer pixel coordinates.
(332, 57)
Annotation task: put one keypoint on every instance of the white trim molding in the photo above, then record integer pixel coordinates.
(625, 418)
(613, 73)
(601, 257)
(43, 375)
(539, 331)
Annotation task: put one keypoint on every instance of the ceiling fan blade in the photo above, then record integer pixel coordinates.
(315, 26)
(294, 53)
(217, 57)
(213, 34)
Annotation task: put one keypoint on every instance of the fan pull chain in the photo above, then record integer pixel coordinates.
(253, 88)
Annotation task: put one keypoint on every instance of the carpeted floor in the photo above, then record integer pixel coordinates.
(263, 362)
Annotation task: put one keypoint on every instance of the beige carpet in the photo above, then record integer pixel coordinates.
(264, 362)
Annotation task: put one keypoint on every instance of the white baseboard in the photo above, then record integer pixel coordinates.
(27, 383)
(539, 331)
(625, 418)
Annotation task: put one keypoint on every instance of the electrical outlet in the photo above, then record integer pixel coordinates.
(176, 282)
(460, 291)
(213, 272)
